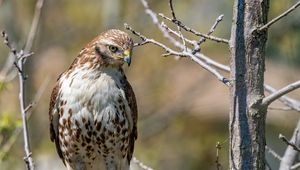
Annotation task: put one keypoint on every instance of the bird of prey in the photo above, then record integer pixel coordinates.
(93, 110)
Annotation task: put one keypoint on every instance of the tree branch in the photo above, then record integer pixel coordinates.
(280, 108)
(273, 153)
(279, 17)
(285, 140)
(269, 99)
(34, 25)
(19, 64)
(188, 29)
(290, 154)
(178, 28)
(295, 166)
(211, 30)
(7, 73)
(13, 138)
(218, 164)
(294, 104)
(169, 51)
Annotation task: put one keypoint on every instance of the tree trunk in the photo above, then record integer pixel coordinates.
(247, 115)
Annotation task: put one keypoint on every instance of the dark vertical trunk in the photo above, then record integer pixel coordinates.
(247, 116)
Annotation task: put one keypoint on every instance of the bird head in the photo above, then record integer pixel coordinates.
(114, 47)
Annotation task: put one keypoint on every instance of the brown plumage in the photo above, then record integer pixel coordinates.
(93, 111)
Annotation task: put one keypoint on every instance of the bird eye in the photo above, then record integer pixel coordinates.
(113, 48)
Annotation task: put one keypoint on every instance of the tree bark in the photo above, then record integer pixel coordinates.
(247, 115)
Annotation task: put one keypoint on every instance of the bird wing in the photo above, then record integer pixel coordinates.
(130, 97)
(54, 119)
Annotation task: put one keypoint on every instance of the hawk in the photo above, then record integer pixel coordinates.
(93, 110)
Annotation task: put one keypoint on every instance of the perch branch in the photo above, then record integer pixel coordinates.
(279, 17)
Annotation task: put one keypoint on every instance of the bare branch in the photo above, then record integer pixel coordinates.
(290, 154)
(34, 25)
(285, 140)
(19, 65)
(141, 164)
(7, 73)
(279, 17)
(178, 28)
(181, 54)
(218, 147)
(294, 104)
(211, 30)
(295, 166)
(269, 99)
(192, 42)
(188, 29)
(13, 138)
(280, 108)
(7, 43)
(273, 153)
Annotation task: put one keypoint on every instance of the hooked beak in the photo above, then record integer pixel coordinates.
(127, 57)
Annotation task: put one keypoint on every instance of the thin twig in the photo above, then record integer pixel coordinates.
(211, 30)
(285, 140)
(279, 17)
(188, 29)
(295, 166)
(294, 104)
(34, 25)
(280, 108)
(178, 27)
(19, 64)
(273, 153)
(7, 73)
(218, 164)
(29, 110)
(192, 42)
(290, 154)
(141, 164)
(269, 99)
(169, 51)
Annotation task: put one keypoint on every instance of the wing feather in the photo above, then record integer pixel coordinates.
(54, 120)
(130, 97)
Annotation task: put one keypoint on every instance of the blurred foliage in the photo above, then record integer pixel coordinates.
(284, 39)
(2, 86)
(183, 110)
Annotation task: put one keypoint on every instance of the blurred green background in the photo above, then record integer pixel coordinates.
(183, 110)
